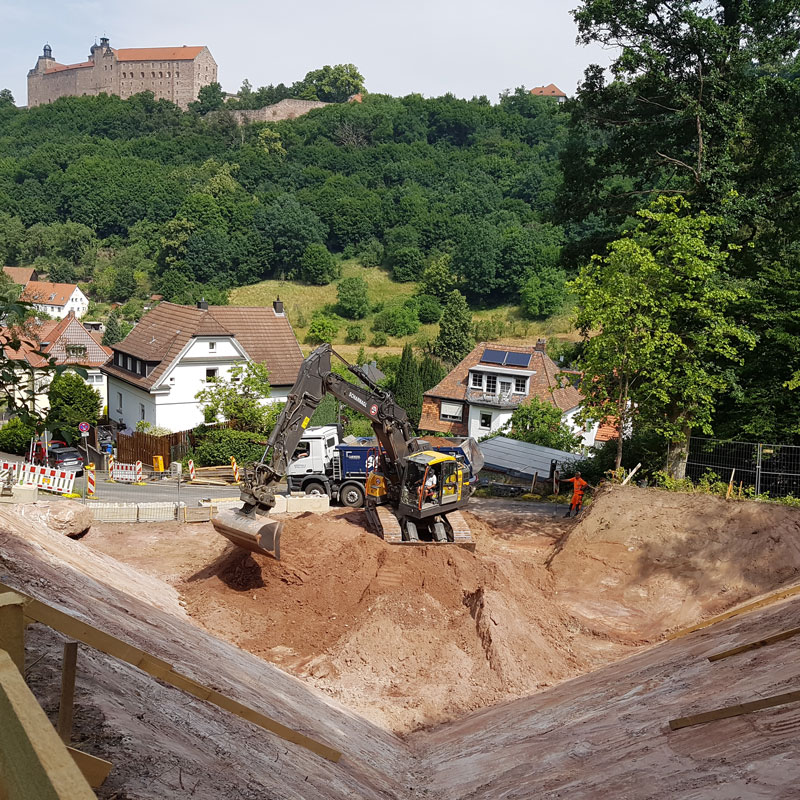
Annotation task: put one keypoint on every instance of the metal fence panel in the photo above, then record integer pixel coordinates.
(772, 469)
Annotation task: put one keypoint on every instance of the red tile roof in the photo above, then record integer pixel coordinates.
(551, 90)
(606, 432)
(20, 275)
(546, 384)
(46, 293)
(62, 67)
(165, 330)
(158, 53)
(57, 338)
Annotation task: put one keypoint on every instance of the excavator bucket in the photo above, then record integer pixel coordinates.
(256, 534)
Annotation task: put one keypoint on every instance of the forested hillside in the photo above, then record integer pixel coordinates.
(135, 196)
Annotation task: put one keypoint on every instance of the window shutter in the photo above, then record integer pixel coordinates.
(452, 409)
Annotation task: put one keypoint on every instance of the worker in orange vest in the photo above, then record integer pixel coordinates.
(579, 486)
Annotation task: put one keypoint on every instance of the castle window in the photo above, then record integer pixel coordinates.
(177, 74)
(143, 74)
(160, 74)
(168, 74)
(152, 74)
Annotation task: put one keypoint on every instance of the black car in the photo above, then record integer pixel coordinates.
(65, 457)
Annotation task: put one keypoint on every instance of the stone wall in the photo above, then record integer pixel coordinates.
(285, 109)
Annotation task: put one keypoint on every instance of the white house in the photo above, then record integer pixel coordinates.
(55, 299)
(479, 396)
(67, 342)
(156, 372)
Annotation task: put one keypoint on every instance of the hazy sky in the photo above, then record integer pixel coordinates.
(426, 46)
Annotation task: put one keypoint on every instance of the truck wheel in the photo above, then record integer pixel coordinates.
(315, 489)
(352, 495)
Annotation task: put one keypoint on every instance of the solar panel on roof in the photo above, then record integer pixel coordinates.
(493, 356)
(518, 359)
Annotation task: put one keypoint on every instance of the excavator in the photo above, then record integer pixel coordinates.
(414, 495)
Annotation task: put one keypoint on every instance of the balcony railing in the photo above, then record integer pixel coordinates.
(496, 400)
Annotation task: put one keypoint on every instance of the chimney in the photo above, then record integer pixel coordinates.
(277, 306)
(202, 305)
(541, 345)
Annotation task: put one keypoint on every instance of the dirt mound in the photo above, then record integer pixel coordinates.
(407, 636)
(646, 561)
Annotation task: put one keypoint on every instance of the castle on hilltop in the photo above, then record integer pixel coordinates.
(170, 73)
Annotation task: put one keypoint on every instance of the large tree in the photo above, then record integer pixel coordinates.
(408, 386)
(659, 337)
(455, 337)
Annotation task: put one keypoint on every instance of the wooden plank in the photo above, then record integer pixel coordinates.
(744, 648)
(12, 627)
(775, 597)
(34, 763)
(66, 704)
(735, 711)
(83, 632)
(94, 769)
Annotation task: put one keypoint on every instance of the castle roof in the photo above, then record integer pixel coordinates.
(158, 53)
(62, 67)
(551, 90)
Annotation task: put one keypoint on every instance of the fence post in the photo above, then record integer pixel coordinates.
(758, 469)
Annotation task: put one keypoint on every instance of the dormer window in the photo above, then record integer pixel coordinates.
(491, 384)
(520, 386)
(477, 380)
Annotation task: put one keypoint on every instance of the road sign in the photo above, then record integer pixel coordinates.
(85, 434)
(83, 427)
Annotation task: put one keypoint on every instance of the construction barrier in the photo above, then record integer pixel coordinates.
(46, 478)
(235, 470)
(111, 466)
(136, 512)
(90, 483)
(126, 473)
(7, 467)
(191, 470)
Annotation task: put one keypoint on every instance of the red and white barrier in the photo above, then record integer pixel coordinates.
(90, 482)
(12, 467)
(48, 479)
(191, 470)
(235, 470)
(126, 473)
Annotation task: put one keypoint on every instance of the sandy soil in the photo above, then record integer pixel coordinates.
(413, 637)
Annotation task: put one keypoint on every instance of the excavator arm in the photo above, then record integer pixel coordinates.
(315, 379)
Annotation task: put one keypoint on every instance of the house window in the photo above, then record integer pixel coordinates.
(520, 385)
(452, 412)
(119, 401)
(486, 419)
(477, 380)
(211, 373)
(130, 364)
(505, 387)
(141, 411)
(491, 384)
(212, 347)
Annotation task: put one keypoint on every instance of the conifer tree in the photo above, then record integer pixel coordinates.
(431, 371)
(455, 338)
(408, 386)
(113, 332)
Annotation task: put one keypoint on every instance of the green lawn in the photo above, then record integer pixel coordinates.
(301, 301)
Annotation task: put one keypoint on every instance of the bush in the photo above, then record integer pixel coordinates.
(15, 437)
(489, 330)
(219, 444)
(397, 320)
(379, 339)
(353, 300)
(407, 263)
(322, 329)
(355, 334)
(371, 254)
(318, 266)
(542, 295)
(429, 309)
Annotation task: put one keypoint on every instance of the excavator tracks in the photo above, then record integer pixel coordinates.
(393, 534)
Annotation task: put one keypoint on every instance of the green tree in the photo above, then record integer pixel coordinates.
(15, 437)
(209, 98)
(355, 334)
(542, 293)
(661, 306)
(331, 84)
(455, 330)
(317, 265)
(323, 328)
(240, 396)
(72, 401)
(539, 422)
(114, 331)
(6, 98)
(437, 278)
(397, 319)
(408, 386)
(431, 371)
(353, 300)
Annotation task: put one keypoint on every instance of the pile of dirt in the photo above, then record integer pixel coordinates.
(644, 562)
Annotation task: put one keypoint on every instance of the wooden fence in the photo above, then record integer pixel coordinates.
(143, 447)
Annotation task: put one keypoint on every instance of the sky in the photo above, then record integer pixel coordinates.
(431, 47)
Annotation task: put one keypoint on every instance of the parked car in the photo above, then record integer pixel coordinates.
(59, 455)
